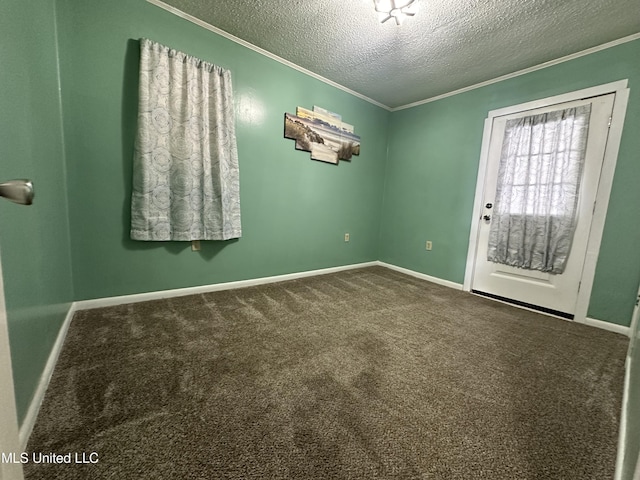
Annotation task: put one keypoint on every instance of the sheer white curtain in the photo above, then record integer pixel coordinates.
(185, 168)
(539, 177)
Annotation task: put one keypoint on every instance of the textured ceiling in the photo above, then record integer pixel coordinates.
(446, 46)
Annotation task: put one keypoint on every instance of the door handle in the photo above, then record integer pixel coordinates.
(18, 191)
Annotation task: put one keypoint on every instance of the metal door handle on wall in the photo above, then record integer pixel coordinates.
(18, 191)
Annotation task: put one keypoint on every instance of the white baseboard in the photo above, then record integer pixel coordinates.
(32, 413)
(422, 276)
(180, 292)
(611, 327)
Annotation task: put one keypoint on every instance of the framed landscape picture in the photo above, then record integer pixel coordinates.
(323, 134)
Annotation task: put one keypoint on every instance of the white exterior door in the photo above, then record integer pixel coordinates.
(557, 293)
(9, 443)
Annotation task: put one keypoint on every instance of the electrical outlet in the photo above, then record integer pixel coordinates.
(346, 237)
(195, 245)
(429, 245)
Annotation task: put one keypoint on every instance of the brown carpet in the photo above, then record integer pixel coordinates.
(362, 374)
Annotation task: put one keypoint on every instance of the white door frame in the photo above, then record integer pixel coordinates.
(621, 459)
(9, 440)
(604, 188)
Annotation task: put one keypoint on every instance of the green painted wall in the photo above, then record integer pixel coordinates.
(34, 240)
(434, 151)
(294, 211)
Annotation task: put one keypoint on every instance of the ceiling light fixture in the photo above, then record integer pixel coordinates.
(396, 9)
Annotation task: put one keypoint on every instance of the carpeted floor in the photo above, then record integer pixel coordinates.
(362, 374)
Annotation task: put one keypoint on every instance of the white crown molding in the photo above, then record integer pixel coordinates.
(255, 48)
(508, 76)
(261, 51)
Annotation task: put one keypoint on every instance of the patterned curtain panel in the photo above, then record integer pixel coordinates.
(185, 168)
(535, 212)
